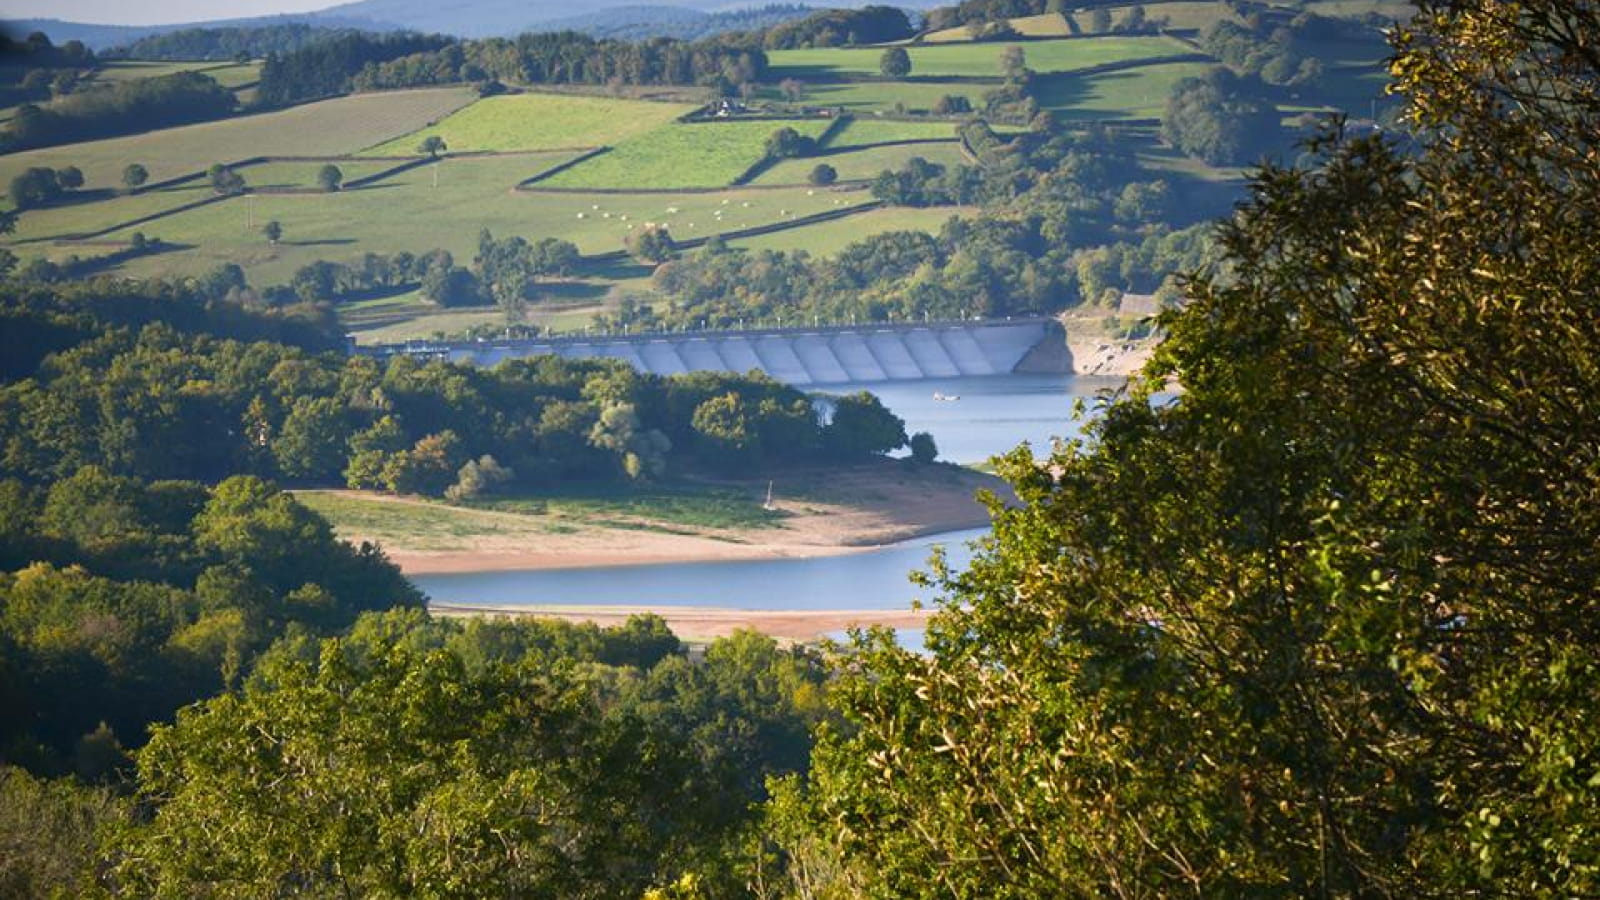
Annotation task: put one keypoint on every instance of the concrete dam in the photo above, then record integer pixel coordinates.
(800, 356)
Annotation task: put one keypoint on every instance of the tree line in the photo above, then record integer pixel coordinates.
(138, 105)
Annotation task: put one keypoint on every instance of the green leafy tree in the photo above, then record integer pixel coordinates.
(786, 143)
(862, 425)
(652, 245)
(894, 62)
(34, 187)
(1325, 625)
(312, 442)
(823, 175)
(432, 145)
(224, 180)
(272, 231)
(329, 178)
(923, 449)
(70, 178)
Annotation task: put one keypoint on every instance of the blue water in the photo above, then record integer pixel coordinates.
(876, 579)
(992, 416)
(995, 413)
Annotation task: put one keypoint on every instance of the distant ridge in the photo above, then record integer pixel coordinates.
(102, 37)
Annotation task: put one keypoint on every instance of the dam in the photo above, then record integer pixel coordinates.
(801, 356)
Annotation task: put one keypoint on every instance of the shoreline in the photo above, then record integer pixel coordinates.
(707, 550)
(693, 624)
(827, 512)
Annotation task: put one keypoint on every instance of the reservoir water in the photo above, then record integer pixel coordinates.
(992, 415)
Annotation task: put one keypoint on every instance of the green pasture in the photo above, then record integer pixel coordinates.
(680, 156)
(1182, 16)
(828, 238)
(541, 122)
(407, 213)
(868, 162)
(118, 71)
(234, 76)
(1129, 93)
(304, 174)
(866, 130)
(329, 128)
(884, 96)
(1046, 25)
(80, 218)
(972, 59)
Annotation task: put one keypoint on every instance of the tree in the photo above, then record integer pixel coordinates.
(952, 105)
(1013, 62)
(329, 178)
(793, 89)
(652, 244)
(823, 175)
(134, 176)
(1326, 625)
(478, 477)
(1100, 20)
(861, 425)
(1214, 118)
(923, 449)
(224, 180)
(70, 178)
(34, 187)
(272, 231)
(432, 145)
(786, 143)
(895, 62)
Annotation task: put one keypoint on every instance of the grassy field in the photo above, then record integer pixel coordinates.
(865, 163)
(863, 97)
(865, 130)
(304, 174)
(1184, 15)
(679, 156)
(408, 523)
(120, 70)
(828, 238)
(1047, 25)
(473, 193)
(973, 59)
(1130, 93)
(542, 122)
(329, 128)
(235, 75)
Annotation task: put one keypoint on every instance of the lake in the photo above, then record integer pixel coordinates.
(992, 416)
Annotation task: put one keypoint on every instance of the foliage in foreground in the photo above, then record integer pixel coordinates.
(1326, 624)
(496, 758)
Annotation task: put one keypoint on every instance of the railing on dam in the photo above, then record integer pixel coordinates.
(799, 355)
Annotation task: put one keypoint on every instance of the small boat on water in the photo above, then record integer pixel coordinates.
(938, 395)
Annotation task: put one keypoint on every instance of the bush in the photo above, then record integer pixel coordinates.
(824, 175)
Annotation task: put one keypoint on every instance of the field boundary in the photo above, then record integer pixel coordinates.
(527, 183)
(753, 231)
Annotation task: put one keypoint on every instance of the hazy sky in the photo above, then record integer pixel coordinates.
(151, 12)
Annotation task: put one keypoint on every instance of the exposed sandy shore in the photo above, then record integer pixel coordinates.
(857, 508)
(706, 623)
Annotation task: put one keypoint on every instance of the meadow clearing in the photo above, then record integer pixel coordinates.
(407, 212)
(865, 163)
(828, 238)
(973, 60)
(335, 127)
(1046, 25)
(709, 154)
(867, 130)
(541, 122)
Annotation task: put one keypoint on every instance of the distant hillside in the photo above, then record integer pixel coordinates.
(102, 37)
(486, 18)
(640, 22)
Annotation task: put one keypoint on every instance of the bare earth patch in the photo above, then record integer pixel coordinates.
(825, 511)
